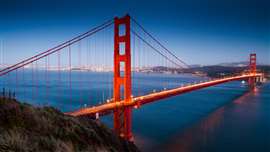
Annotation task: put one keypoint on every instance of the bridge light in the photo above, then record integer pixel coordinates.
(97, 116)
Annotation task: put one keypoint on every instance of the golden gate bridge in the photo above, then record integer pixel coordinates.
(121, 48)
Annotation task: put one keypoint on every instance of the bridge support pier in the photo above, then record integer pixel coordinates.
(122, 76)
(252, 70)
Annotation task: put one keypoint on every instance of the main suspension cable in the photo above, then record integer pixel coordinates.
(151, 46)
(159, 43)
(55, 49)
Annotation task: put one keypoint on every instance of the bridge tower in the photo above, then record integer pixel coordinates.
(122, 76)
(252, 70)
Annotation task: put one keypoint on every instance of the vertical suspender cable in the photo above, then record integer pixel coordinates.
(139, 67)
(133, 62)
(32, 81)
(16, 81)
(69, 60)
(59, 68)
(89, 66)
(46, 78)
(23, 83)
(59, 72)
(36, 75)
(80, 72)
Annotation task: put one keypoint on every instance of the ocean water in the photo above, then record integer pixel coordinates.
(241, 124)
(227, 117)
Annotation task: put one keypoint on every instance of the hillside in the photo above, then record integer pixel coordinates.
(217, 70)
(26, 128)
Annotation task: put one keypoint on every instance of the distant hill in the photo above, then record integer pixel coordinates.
(219, 71)
(234, 64)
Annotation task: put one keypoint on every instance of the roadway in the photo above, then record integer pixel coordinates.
(153, 97)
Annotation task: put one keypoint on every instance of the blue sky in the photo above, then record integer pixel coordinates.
(199, 32)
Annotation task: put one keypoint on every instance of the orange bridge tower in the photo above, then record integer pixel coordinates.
(122, 76)
(252, 70)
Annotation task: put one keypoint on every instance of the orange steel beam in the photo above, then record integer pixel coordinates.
(252, 70)
(122, 115)
(141, 100)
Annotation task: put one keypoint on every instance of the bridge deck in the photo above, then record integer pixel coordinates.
(141, 100)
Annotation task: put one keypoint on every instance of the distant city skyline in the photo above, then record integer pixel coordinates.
(204, 33)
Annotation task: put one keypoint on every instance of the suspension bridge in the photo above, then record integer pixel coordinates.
(120, 50)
